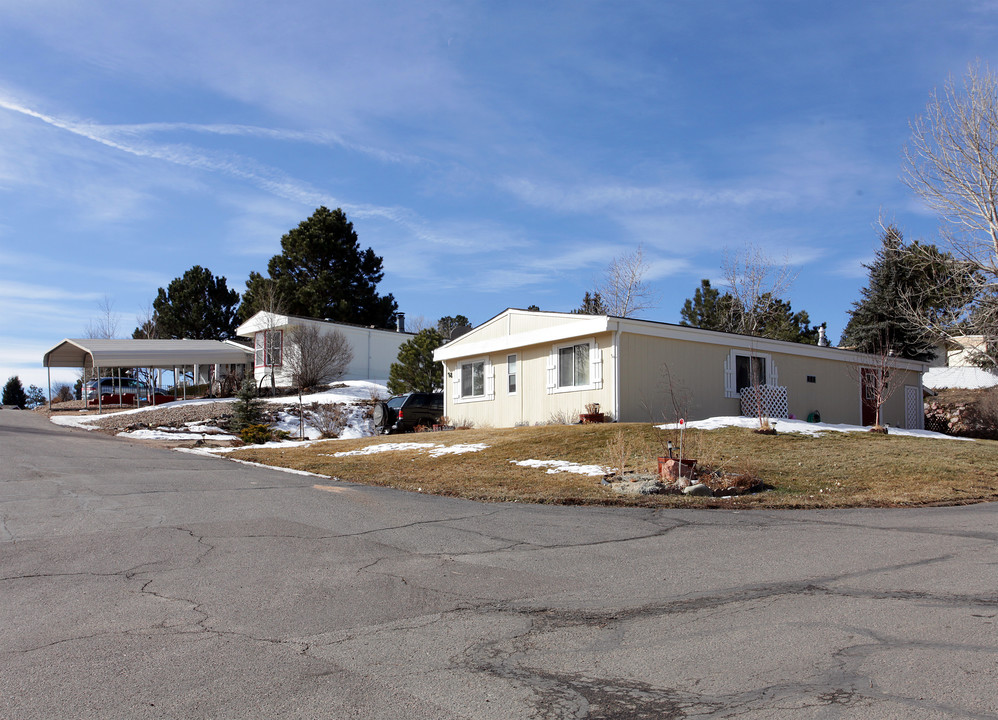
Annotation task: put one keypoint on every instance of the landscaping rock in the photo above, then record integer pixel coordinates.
(698, 489)
(636, 484)
(642, 487)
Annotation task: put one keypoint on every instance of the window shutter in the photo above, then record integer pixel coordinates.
(490, 381)
(774, 377)
(552, 370)
(457, 382)
(596, 367)
(730, 387)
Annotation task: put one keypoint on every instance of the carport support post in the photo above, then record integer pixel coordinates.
(50, 387)
(97, 390)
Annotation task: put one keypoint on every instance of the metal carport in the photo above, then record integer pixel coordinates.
(91, 353)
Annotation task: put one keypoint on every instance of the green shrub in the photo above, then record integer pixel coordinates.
(256, 434)
(248, 408)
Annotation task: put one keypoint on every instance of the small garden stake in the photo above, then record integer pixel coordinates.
(682, 429)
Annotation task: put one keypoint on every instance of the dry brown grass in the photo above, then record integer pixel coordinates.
(835, 470)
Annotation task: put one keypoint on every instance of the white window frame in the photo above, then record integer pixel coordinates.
(263, 347)
(488, 372)
(731, 370)
(512, 360)
(595, 367)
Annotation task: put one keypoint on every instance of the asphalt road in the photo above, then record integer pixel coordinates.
(137, 582)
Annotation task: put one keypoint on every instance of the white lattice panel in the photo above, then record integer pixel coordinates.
(914, 409)
(773, 400)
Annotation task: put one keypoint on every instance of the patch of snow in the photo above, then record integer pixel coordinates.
(77, 421)
(563, 466)
(798, 426)
(434, 449)
(964, 378)
(160, 434)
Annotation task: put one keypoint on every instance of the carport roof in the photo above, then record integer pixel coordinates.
(87, 352)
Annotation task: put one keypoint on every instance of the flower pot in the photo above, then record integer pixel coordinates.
(587, 418)
(672, 468)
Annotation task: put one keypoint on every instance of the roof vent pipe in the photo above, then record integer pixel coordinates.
(400, 322)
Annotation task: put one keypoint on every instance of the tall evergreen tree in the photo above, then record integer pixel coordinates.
(711, 310)
(447, 326)
(592, 304)
(415, 370)
(902, 278)
(780, 322)
(13, 393)
(197, 306)
(322, 273)
(35, 396)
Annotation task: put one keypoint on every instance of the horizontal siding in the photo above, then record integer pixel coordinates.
(531, 404)
(696, 388)
(374, 351)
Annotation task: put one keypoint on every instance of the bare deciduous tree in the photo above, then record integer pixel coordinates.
(105, 325)
(876, 378)
(313, 357)
(623, 290)
(756, 282)
(952, 164)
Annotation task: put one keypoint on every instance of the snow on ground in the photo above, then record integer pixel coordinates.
(562, 466)
(798, 426)
(353, 391)
(167, 434)
(435, 449)
(963, 378)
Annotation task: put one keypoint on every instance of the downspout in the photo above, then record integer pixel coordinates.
(616, 373)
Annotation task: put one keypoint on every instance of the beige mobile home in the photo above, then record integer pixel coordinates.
(374, 349)
(523, 368)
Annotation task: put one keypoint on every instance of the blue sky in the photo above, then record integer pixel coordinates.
(494, 154)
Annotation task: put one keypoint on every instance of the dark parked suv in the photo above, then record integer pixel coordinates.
(403, 413)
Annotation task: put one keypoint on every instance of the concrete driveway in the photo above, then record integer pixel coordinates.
(137, 582)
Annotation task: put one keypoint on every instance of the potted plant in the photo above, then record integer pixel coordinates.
(592, 414)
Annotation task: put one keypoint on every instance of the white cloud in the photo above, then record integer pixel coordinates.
(15, 290)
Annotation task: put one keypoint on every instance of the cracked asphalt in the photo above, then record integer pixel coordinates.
(137, 582)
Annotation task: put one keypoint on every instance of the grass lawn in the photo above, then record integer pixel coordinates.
(833, 470)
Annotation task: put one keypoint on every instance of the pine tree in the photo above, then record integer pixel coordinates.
(774, 318)
(35, 396)
(415, 370)
(710, 310)
(322, 273)
(592, 304)
(248, 408)
(13, 393)
(447, 326)
(911, 276)
(197, 306)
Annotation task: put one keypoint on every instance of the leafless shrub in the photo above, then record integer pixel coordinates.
(562, 417)
(619, 451)
(329, 418)
(987, 408)
(313, 357)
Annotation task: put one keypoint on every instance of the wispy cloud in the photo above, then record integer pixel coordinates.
(621, 198)
(12, 289)
(269, 179)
